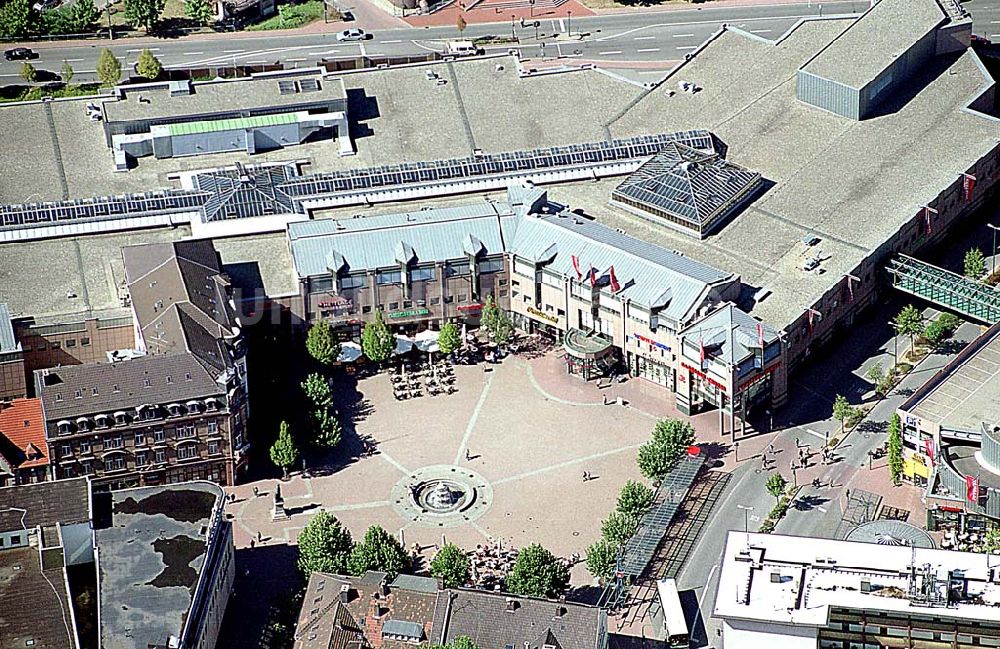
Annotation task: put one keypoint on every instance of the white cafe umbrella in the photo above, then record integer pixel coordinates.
(349, 352)
(426, 341)
(403, 345)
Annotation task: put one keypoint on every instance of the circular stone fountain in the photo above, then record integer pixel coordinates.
(442, 496)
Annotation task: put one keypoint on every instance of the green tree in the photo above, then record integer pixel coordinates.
(909, 322)
(143, 13)
(776, 485)
(378, 551)
(29, 73)
(618, 528)
(601, 559)
(317, 390)
(496, 322)
(933, 333)
(634, 499)
(326, 428)
(66, 72)
(324, 545)
(199, 11)
(975, 263)
(537, 573)
(671, 437)
(321, 343)
(451, 565)
(991, 542)
(83, 15)
(875, 373)
(109, 68)
(283, 452)
(16, 18)
(949, 323)
(377, 342)
(449, 338)
(148, 65)
(842, 411)
(895, 443)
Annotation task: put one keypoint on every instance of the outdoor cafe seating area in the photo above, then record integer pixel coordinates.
(411, 379)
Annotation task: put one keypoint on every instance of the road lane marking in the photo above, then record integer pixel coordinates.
(819, 435)
(681, 35)
(644, 38)
(193, 53)
(760, 31)
(651, 49)
(151, 49)
(73, 60)
(296, 60)
(684, 47)
(387, 42)
(562, 25)
(609, 52)
(822, 509)
(232, 51)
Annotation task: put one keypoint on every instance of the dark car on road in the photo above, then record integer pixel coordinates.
(19, 54)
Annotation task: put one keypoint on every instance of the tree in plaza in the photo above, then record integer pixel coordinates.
(537, 573)
(618, 528)
(321, 343)
(28, 72)
(283, 452)
(199, 11)
(875, 373)
(975, 263)
(933, 333)
(449, 338)
(326, 428)
(634, 499)
(143, 13)
(909, 321)
(842, 411)
(496, 322)
(949, 323)
(324, 545)
(66, 72)
(317, 390)
(881, 378)
(451, 565)
(461, 24)
(895, 451)
(16, 18)
(671, 437)
(378, 551)
(776, 485)
(377, 342)
(109, 68)
(601, 558)
(991, 542)
(148, 65)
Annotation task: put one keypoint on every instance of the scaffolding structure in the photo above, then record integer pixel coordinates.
(969, 298)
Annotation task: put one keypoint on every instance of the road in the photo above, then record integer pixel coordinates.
(644, 38)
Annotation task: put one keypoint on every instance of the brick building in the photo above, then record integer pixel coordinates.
(24, 453)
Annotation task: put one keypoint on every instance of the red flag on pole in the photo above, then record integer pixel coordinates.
(593, 276)
(929, 448)
(972, 488)
(576, 267)
(760, 334)
(615, 286)
(968, 184)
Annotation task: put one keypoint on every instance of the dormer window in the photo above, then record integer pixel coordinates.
(78, 394)
(193, 406)
(175, 409)
(64, 427)
(121, 418)
(147, 412)
(101, 421)
(83, 424)
(212, 404)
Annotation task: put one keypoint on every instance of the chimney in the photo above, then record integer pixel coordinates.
(560, 611)
(345, 593)
(512, 605)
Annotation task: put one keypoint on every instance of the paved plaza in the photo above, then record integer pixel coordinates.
(520, 434)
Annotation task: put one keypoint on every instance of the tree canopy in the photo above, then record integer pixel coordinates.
(618, 528)
(671, 438)
(451, 565)
(326, 428)
(324, 545)
(895, 448)
(377, 342)
(776, 484)
(634, 499)
(449, 338)
(975, 263)
(317, 390)
(109, 68)
(496, 322)
(283, 452)
(28, 72)
(199, 11)
(537, 573)
(16, 18)
(908, 322)
(148, 66)
(66, 73)
(143, 13)
(321, 343)
(601, 558)
(842, 410)
(379, 551)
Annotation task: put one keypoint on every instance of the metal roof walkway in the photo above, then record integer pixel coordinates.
(968, 298)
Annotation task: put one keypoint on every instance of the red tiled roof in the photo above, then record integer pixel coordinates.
(21, 423)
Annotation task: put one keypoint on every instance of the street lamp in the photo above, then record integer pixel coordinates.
(746, 521)
(513, 33)
(569, 23)
(993, 250)
(736, 445)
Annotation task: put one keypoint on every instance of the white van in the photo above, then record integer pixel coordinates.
(461, 48)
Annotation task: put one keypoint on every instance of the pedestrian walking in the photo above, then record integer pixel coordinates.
(796, 442)
(259, 537)
(256, 492)
(584, 476)
(770, 447)
(252, 543)
(468, 455)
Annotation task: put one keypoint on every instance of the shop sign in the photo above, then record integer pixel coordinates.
(652, 343)
(704, 376)
(470, 307)
(336, 305)
(759, 377)
(411, 313)
(544, 316)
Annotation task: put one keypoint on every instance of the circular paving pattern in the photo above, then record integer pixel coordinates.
(442, 496)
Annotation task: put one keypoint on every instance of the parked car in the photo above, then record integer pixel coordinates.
(353, 34)
(19, 54)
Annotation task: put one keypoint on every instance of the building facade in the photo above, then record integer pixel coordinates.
(24, 453)
(12, 377)
(146, 421)
(73, 341)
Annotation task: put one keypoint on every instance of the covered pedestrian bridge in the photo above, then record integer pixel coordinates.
(966, 297)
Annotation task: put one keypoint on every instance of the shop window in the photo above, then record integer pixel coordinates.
(449, 299)
(322, 284)
(388, 277)
(462, 297)
(366, 309)
(456, 268)
(393, 306)
(407, 304)
(435, 301)
(422, 274)
(490, 266)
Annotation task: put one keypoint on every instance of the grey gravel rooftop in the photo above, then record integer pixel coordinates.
(871, 44)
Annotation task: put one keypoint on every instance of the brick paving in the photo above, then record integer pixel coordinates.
(531, 430)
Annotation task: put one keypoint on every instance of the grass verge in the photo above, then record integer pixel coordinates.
(291, 16)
